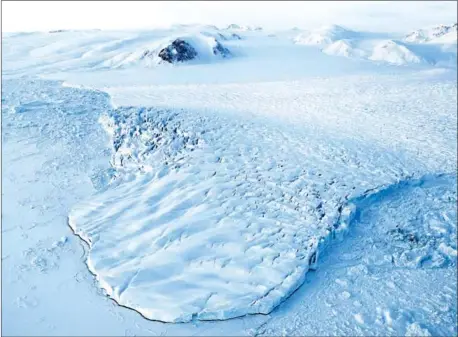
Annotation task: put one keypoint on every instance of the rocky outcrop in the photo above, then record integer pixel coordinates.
(431, 34)
(178, 51)
(219, 49)
(181, 50)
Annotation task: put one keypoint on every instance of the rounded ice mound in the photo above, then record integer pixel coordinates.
(343, 48)
(395, 53)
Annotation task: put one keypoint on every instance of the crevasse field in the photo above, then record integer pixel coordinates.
(235, 180)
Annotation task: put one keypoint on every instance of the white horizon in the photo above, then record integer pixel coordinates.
(388, 16)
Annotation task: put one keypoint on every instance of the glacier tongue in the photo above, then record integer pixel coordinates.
(226, 215)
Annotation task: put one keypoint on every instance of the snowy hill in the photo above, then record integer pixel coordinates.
(338, 41)
(393, 52)
(181, 49)
(343, 48)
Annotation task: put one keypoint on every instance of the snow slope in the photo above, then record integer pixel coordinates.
(219, 190)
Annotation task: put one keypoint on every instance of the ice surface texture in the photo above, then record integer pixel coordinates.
(223, 194)
(214, 217)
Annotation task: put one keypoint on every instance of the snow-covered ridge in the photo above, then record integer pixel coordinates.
(435, 34)
(324, 35)
(84, 51)
(338, 41)
(382, 51)
(237, 27)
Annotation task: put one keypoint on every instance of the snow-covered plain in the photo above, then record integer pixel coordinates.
(207, 190)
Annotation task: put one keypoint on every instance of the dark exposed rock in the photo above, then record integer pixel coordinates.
(219, 49)
(147, 53)
(178, 51)
(222, 37)
(232, 36)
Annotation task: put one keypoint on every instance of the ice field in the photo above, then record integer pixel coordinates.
(268, 183)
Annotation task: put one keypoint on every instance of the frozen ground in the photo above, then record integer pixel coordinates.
(205, 194)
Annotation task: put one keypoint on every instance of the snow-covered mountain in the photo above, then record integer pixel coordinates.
(192, 44)
(435, 34)
(237, 27)
(338, 41)
(195, 47)
(222, 36)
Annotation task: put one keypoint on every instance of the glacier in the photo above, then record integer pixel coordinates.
(281, 178)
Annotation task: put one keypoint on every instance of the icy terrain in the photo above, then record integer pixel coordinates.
(383, 48)
(379, 280)
(207, 193)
